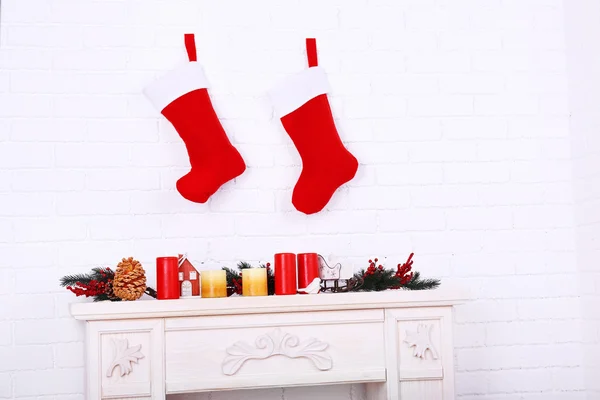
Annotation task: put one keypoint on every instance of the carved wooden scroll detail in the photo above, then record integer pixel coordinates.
(276, 343)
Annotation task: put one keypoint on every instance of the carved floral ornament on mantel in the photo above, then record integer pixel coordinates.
(124, 357)
(421, 341)
(275, 343)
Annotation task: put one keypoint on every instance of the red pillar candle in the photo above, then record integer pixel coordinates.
(285, 273)
(167, 278)
(308, 271)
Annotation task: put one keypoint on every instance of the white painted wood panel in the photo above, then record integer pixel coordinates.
(144, 378)
(401, 350)
(136, 377)
(275, 319)
(422, 390)
(129, 398)
(419, 349)
(377, 391)
(435, 365)
(195, 357)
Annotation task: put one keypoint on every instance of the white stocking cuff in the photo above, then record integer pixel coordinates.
(296, 90)
(175, 84)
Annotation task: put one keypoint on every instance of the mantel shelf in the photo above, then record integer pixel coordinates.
(269, 304)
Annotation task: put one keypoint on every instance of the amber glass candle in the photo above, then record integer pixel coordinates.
(214, 283)
(254, 282)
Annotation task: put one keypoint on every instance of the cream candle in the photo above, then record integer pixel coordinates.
(254, 282)
(214, 283)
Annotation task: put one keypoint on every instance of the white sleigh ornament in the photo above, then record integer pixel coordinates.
(331, 280)
(329, 273)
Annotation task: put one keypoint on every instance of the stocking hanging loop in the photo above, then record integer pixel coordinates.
(311, 52)
(190, 46)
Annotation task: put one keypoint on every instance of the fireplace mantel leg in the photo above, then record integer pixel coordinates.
(377, 391)
(125, 360)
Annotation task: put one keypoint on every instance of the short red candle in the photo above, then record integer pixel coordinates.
(308, 269)
(285, 273)
(167, 278)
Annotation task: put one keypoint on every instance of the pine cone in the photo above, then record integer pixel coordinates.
(110, 293)
(130, 279)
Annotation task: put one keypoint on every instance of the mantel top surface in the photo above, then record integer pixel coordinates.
(266, 304)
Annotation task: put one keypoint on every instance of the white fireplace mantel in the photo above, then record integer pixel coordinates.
(397, 342)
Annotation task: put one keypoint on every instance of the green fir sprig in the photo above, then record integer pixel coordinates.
(416, 283)
(98, 273)
(377, 278)
(380, 280)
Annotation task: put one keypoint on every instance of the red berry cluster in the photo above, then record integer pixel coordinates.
(237, 285)
(404, 271)
(93, 288)
(104, 274)
(373, 268)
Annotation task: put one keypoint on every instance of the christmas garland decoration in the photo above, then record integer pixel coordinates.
(234, 278)
(377, 278)
(128, 282)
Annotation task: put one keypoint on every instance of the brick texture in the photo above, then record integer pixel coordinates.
(584, 83)
(458, 111)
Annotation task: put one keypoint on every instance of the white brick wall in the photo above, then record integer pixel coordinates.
(582, 18)
(456, 109)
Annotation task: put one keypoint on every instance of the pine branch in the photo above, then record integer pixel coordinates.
(416, 283)
(376, 282)
(231, 274)
(103, 273)
(104, 297)
(98, 273)
(243, 265)
(71, 280)
(270, 281)
(150, 292)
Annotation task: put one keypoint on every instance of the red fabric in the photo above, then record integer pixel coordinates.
(311, 52)
(213, 158)
(190, 46)
(326, 163)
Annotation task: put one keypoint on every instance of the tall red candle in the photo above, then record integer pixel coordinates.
(285, 273)
(167, 278)
(308, 269)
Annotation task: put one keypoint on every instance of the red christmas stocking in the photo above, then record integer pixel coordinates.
(301, 103)
(181, 96)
